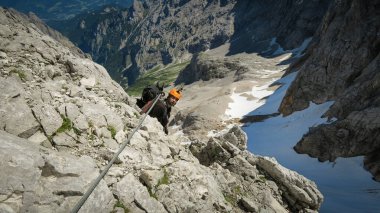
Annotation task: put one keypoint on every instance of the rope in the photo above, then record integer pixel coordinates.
(104, 172)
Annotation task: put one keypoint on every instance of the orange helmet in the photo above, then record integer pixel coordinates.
(175, 93)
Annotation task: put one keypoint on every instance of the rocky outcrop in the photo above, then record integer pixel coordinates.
(150, 33)
(48, 89)
(341, 65)
(63, 118)
(205, 68)
(54, 34)
(35, 179)
(251, 171)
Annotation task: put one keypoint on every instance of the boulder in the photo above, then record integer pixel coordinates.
(46, 181)
(15, 115)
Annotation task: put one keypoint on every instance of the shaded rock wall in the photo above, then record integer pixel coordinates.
(342, 64)
(256, 23)
(205, 68)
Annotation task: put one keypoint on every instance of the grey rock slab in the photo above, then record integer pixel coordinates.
(81, 122)
(138, 141)
(75, 91)
(88, 83)
(48, 117)
(160, 154)
(151, 177)
(129, 190)
(15, 115)
(111, 144)
(249, 205)
(17, 118)
(70, 110)
(38, 138)
(190, 186)
(299, 187)
(237, 137)
(120, 136)
(95, 113)
(68, 139)
(39, 180)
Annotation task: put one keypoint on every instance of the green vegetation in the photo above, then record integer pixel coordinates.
(152, 194)
(261, 179)
(202, 55)
(230, 199)
(20, 73)
(233, 196)
(91, 124)
(163, 180)
(121, 205)
(66, 125)
(112, 130)
(91, 137)
(77, 131)
(167, 74)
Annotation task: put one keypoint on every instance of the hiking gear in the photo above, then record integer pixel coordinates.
(146, 107)
(105, 170)
(149, 93)
(175, 93)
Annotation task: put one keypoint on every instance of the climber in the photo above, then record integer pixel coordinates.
(162, 109)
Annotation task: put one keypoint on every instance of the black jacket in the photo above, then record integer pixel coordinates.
(161, 111)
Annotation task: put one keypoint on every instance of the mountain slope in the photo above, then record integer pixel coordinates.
(59, 10)
(342, 65)
(162, 32)
(62, 118)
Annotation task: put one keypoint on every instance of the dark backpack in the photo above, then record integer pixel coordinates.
(149, 93)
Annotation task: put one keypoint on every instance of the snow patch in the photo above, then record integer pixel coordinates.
(243, 103)
(273, 102)
(246, 102)
(297, 52)
(286, 130)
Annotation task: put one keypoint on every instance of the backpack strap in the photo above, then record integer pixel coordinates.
(146, 107)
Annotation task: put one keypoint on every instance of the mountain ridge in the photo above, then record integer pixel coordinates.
(62, 118)
(172, 31)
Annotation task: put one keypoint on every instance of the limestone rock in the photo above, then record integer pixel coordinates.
(237, 137)
(15, 115)
(151, 177)
(38, 138)
(48, 117)
(297, 186)
(46, 181)
(67, 139)
(129, 190)
(88, 83)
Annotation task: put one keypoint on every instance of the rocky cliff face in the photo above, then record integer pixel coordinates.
(62, 118)
(161, 32)
(60, 10)
(342, 65)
